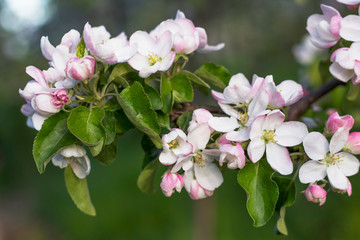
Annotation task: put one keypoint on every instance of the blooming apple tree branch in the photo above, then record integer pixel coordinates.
(98, 87)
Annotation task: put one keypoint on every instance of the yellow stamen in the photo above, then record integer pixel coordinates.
(153, 58)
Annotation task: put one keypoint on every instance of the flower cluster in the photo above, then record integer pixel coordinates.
(78, 63)
(254, 120)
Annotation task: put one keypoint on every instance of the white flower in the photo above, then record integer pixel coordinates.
(110, 50)
(324, 29)
(272, 133)
(76, 157)
(174, 146)
(192, 186)
(350, 29)
(201, 160)
(327, 160)
(153, 55)
(199, 116)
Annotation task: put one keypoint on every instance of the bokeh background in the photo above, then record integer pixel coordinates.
(259, 36)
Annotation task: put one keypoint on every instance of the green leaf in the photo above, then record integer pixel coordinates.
(85, 124)
(215, 75)
(146, 178)
(183, 91)
(184, 120)
(108, 154)
(154, 96)
(197, 82)
(287, 194)
(353, 92)
(80, 49)
(95, 150)
(262, 191)
(79, 192)
(164, 119)
(137, 107)
(166, 95)
(109, 123)
(118, 72)
(53, 136)
(122, 124)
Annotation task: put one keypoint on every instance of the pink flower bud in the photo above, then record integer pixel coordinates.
(198, 192)
(59, 98)
(171, 182)
(80, 68)
(315, 194)
(353, 143)
(335, 122)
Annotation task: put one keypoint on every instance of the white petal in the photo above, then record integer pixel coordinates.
(256, 149)
(291, 133)
(38, 120)
(258, 105)
(59, 161)
(350, 28)
(47, 48)
(208, 176)
(290, 91)
(200, 136)
(167, 157)
(338, 140)
(336, 177)
(229, 110)
(138, 62)
(312, 171)
(73, 151)
(279, 159)
(146, 44)
(256, 129)
(273, 120)
(349, 164)
(223, 124)
(81, 167)
(238, 136)
(341, 73)
(316, 145)
(167, 61)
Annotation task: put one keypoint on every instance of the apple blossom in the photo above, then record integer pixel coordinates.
(336, 122)
(348, 190)
(353, 143)
(199, 116)
(153, 55)
(80, 68)
(350, 29)
(192, 186)
(327, 160)
(316, 194)
(174, 146)
(273, 134)
(76, 157)
(170, 183)
(233, 155)
(306, 52)
(201, 160)
(110, 50)
(324, 29)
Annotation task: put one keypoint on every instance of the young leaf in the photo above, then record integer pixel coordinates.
(79, 192)
(108, 154)
(262, 191)
(215, 75)
(53, 136)
(86, 125)
(184, 120)
(137, 108)
(183, 91)
(146, 178)
(80, 49)
(287, 195)
(118, 72)
(166, 95)
(122, 123)
(197, 82)
(108, 124)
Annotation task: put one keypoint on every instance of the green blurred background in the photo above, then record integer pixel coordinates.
(259, 36)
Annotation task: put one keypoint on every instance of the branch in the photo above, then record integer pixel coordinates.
(298, 108)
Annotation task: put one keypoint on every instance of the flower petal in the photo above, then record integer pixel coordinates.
(167, 158)
(81, 167)
(312, 171)
(256, 149)
(291, 133)
(208, 175)
(279, 159)
(350, 28)
(290, 91)
(199, 137)
(338, 140)
(223, 124)
(349, 164)
(316, 145)
(238, 136)
(273, 120)
(337, 178)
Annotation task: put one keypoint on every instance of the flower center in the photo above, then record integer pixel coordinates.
(200, 160)
(59, 98)
(173, 144)
(268, 136)
(333, 159)
(242, 115)
(153, 58)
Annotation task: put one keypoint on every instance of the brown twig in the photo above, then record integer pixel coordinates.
(298, 108)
